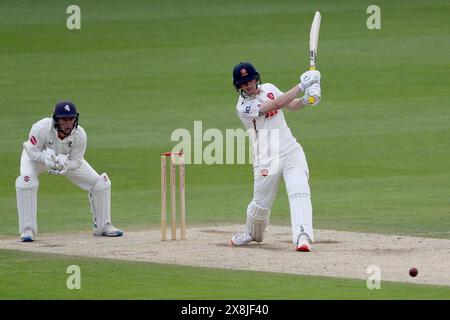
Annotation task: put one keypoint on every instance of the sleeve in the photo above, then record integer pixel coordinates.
(249, 109)
(34, 146)
(76, 156)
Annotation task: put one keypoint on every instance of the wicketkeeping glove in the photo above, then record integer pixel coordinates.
(61, 165)
(62, 160)
(51, 162)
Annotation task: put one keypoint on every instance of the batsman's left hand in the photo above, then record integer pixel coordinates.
(308, 78)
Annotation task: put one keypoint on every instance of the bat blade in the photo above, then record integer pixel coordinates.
(314, 40)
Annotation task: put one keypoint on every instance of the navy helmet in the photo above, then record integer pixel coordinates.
(65, 109)
(244, 72)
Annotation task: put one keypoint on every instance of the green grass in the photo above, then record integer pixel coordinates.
(45, 277)
(377, 145)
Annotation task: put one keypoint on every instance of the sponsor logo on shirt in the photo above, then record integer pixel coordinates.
(33, 140)
(271, 114)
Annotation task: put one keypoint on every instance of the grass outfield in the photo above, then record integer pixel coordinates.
(377, 145)
(45, 278)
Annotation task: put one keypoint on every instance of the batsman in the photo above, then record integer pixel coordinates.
(276, 152)
(57, 145)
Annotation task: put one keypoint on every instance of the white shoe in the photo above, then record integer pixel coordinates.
(109, 231)
(303, 243)
(241, 239)
(27, 235)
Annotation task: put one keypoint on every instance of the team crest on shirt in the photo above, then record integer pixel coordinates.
(270, 96)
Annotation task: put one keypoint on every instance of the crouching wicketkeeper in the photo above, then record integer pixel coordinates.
(57, 145)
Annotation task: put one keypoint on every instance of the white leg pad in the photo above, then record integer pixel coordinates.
(100, 201)
(299, 194)
(301, 216)
(26, 194)
(257, 221)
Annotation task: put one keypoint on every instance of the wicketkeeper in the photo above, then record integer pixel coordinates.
(57, 145)
(276, 152)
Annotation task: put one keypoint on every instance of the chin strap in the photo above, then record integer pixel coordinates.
(245, 95)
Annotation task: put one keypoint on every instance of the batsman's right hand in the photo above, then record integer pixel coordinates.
(308, 78)
(312, 91)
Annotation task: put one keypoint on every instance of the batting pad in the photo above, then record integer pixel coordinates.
(299, 193)
(301, 216)
(26, 194)
(100, 201)
(257, 221)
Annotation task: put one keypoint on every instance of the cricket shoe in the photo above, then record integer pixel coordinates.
(241, 239)
(109, 231)
(27, 235)
(303, 243)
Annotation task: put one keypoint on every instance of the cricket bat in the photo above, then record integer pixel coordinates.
(313, 42)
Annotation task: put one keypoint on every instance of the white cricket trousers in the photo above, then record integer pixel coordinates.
(294, 169)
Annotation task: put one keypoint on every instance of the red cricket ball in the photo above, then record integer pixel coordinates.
(413, 272)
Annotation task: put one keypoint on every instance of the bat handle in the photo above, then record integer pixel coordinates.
(311, 100)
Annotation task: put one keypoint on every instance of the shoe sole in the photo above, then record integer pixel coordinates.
(109, 235)
(119, 234)
(303, 248)
(115, 235)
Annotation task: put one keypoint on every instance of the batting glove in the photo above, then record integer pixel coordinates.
(312, 91)
(308, 78)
